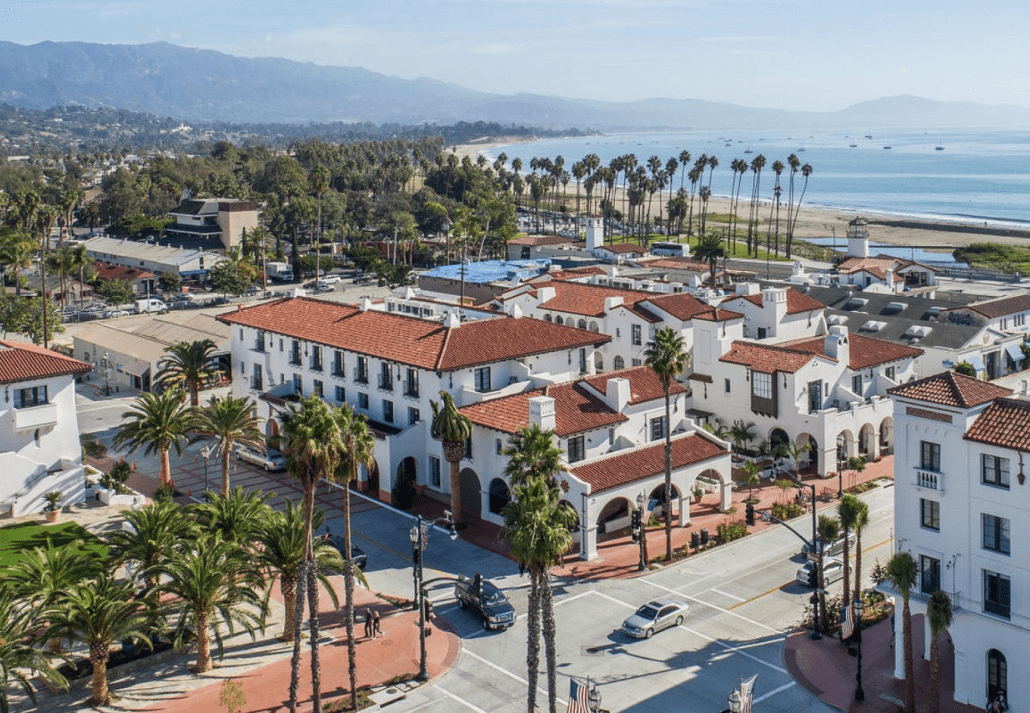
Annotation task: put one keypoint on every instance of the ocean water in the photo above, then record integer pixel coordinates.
(978, 176)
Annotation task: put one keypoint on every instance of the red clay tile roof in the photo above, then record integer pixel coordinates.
(1000, 308)
(575, 410)
(644, 384)
(797, 302)
(408, 340)
(949, 388)
(23, 362)
(1005, 423)
(715, 314)
(680, 305)
(625, 467)
(679, 263)
(865, 351)
(767, 358)
(623, 248)
(540, 240)
(588, 300)
(118, 272)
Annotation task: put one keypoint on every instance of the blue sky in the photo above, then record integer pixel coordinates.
(818, 55)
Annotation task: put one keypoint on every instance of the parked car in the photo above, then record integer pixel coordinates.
(357, 554)
(655, 616)
(833, 569)
(489, 602)
(331, 279)
(116, 313)
(833, 549)
(271, 459)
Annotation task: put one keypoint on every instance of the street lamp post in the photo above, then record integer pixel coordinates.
(107, 373)
(816, 633)
(419, 540)
(642, 564)
(859, 607)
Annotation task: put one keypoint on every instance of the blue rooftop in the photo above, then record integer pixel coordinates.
(491, 270)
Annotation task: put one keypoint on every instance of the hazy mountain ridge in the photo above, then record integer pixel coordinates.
(204, 85)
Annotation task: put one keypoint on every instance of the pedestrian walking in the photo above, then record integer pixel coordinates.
(375, 625)
(368, 623)
(522, 570)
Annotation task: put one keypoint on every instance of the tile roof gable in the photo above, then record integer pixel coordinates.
(624, 467)
(1005, 423)
(24, 362)
(575, 410)
(949, 388)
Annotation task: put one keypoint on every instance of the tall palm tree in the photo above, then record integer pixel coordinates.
(235, 516)
(80, 262)
(536, 525)
(46, 214)
(848, 511)
(452, 428)
(229, 421)
(531, 453)
(216, 584)
(311, 441)
(667, 358)
(188, 364)
(358, 449)
(859, 524)
(709, 249)
(281, 551)
(903, 573)
(16, 255)
(157, 424)
(99, 612)
(939, 612)
(20, 623)
(827, 531)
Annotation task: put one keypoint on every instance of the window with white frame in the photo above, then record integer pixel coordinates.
(930, 456)
(994, 471)
(761, 385)
(482, 379)
(931, 514)
(996, 533)
(434, 471)
(577, 449)
(658, 428)
(635, 338)
(997, 594)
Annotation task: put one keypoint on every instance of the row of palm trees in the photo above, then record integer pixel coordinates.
(198, 573)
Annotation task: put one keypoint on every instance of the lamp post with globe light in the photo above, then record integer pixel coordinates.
(859, 609)
(419, 540)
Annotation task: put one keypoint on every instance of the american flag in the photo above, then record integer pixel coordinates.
(747, 693)
(847, 624)
(577, 697)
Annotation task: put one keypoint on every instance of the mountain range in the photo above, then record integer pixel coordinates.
(204, 85)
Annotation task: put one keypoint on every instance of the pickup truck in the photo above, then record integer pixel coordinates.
(486, 600)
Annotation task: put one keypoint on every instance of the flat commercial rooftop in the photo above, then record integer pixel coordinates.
(489, 271)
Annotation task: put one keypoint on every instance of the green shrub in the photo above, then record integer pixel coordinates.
(787, 511)
(164, 492)
(91, 446)
(729, 531)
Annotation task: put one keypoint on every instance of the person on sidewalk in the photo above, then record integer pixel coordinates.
(375, 625)
(368, 623)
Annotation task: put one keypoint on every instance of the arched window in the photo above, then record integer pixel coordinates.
(548, 318)
(997, 674)
(618, 363)
(582, 324)
(559, 320)
(499, 495)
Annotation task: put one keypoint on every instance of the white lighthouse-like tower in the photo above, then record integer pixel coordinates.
(858, 238)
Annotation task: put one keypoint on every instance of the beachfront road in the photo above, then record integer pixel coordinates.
(743, 602)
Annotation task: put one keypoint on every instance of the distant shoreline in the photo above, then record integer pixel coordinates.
(826, 221)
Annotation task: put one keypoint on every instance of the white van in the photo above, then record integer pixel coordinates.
(150, 305)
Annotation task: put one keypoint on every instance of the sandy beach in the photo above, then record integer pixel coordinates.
(816, 222)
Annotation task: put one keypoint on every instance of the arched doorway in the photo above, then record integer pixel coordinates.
(887, 436)
(499, 496)
(809, 460)
(370, 476)
(407, 470)
(471, 492)
(845, 448)
(658, 493)
(997, 674)
(614, 515)
(866, 445)
(779, 441)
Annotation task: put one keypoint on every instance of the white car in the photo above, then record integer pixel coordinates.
(331, 279)
(270, 460)
(116, 313)
(833, 569)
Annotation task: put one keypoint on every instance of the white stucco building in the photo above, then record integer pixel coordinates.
(960, 509)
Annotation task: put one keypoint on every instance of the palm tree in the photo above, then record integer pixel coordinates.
(188, 364)
(794, 451)
(311, 442)
(709, 249)
(229, 421)
(859, 524)
(235, 516)
(18, 653)
(99, 612)
(536, 525)
(938, 611)
(80, 262)
(667, 358)
(358, 449)
(827, 531)
(752, 476)
(903, 573)
(742, 433)
(452, 428)
(16, 254)
(281, 551)
(216, 584)
(531, 453)
(848, 511)
(158, 423)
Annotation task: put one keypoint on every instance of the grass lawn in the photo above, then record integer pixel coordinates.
(16, 540)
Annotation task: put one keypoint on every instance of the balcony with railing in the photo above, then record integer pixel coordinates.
(930, 479)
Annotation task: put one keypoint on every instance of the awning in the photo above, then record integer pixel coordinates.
(1015, 352)
(977, 362)
(136, 368)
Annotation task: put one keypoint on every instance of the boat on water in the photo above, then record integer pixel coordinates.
(852, 146)
(938, 148)
(869, 136)
(887, 148)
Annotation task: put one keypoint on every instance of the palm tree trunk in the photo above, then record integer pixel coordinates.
(455, 489)
(910, 679)
(225, 472)
(98, 658)
(165, 475)
(203, 645)
(550, 635)
(288, 588)
(858, 565)
(668, 473)
(298, 618)
(348, 581)
(825, 615)
(194, 387)
(846, 594)
(316, 664)
(533, 639)
(935, 674)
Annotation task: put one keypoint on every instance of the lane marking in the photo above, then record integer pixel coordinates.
(735, 649)
(459, 699)
(508, 673)
(709, 604)
(726, 594)
(772, 693)
(573, 598)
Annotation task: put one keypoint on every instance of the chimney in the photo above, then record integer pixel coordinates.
(775, 299)
(541, 412)
(617, 393)
(453, 321)
(366, 304)
(515, 311)
(611, 303)
(544, 294)
(836, 345)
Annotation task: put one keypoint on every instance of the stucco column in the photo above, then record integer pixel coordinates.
(725, 495)
(926, 638)
(587, 531)
(684, 519)
(899, 640)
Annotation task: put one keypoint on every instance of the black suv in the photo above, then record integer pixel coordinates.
(486, 599)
